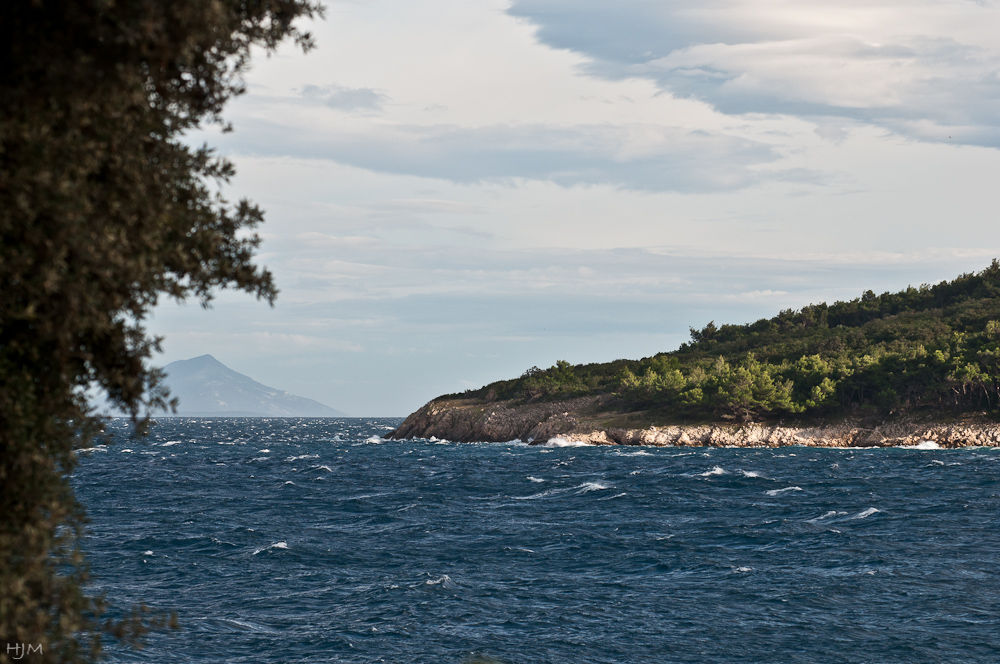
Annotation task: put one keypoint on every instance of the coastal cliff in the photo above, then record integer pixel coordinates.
(591, 420)
(918, 366)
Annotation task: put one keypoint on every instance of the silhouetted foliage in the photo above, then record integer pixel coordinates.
(103, 209)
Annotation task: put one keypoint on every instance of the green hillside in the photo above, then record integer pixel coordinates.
(927, 349)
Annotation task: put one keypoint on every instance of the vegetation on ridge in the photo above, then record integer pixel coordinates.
(932, 348)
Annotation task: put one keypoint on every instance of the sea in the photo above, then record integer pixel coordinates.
(317, 540)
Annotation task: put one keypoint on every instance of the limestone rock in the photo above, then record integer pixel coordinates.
(574, 420)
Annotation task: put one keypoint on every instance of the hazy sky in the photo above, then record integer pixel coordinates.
(457, 190)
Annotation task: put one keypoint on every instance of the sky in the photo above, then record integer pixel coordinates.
(459, 190)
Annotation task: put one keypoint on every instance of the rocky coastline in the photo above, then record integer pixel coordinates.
(591, 420)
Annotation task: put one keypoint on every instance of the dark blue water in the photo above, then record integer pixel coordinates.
(310, 541)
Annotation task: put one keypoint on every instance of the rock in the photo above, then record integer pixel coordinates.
(578, 420)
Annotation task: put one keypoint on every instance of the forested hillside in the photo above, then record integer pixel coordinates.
(932, 348)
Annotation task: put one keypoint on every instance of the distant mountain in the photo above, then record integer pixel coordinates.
(206, 387)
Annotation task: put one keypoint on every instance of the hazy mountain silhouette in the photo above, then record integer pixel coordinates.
(206, 387)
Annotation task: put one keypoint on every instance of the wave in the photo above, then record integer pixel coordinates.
(717, 470)
(249, 626)
(444, 581)
(276, 545)
(592, 486)
(543, 494)
(562, 442)
(865, 514)
(171, 442)
(778, 492)
(826, 516)
(586, 487)
(535, 479)
(751, 473)
(922, 445)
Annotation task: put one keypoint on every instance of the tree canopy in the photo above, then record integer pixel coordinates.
(932, 349)
(104, 209)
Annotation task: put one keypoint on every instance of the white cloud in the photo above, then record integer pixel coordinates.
(346, 99)
(925, 69)
(638, 157)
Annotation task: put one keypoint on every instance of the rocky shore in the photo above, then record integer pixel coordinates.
(588, 420)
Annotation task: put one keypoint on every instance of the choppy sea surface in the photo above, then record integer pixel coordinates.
(314, 540)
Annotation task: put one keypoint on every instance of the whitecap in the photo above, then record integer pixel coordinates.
(125, 450)
(263, 451)
(617, 495)
(147, 553)
(535, 479)
(303, 456)
(751, 473)
(743, 569)
(865, 514)
(443, 581)
(825, 516)
(99, 448)
(778, 492)
(562, 442)
(717, 470)
(288, 482)
(923, 445)
(639, 453)
(592, 486)
(374, 439)
(326, 468)
(171, 442)
(938, 461)
(276, 545)
(543, 494)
